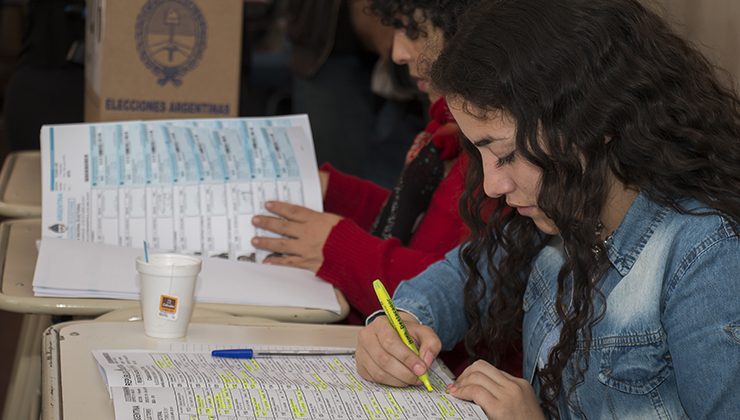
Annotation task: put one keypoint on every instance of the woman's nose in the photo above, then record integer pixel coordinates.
(496, 181)
(400, 52)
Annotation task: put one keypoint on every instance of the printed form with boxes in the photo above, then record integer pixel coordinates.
(184, 186)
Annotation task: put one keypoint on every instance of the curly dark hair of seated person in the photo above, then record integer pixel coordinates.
(595, 86)
(409, 14)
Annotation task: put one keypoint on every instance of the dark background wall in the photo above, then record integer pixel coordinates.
(12, 14)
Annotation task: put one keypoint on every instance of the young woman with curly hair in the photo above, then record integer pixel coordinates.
(619, 150)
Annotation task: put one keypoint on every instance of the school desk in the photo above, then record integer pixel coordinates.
(20, 196)
(17, 261)
(20, 185)
(74, 389)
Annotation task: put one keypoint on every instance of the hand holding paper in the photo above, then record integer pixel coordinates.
(304, 232)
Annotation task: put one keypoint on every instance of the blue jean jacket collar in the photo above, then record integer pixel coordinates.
(626, 244)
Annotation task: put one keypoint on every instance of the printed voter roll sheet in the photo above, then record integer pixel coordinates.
(189, 186)
(171, 385)
(85, 269)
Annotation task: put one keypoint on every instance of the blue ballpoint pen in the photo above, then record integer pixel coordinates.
(251, 353)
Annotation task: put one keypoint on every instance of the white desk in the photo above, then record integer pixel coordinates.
(17, 262)
(18, 239)
(73, 387)
(20, 185)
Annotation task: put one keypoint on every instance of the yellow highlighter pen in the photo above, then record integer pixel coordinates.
(392, 314)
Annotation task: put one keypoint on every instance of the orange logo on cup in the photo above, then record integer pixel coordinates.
(168, 304)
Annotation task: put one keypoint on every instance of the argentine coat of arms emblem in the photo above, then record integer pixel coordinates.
(170, 38)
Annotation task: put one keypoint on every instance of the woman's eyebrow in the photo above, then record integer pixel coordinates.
(486, 140)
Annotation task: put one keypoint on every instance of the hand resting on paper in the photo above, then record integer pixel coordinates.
(382, 357)
(304, 234)
(500, 395)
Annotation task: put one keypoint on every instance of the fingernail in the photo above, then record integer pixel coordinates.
(419, 369)
(255, 241)
(451, 388)
(256, 220)
(268, 204)
(428, 358)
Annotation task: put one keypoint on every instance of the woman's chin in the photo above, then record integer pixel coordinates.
(422, 85)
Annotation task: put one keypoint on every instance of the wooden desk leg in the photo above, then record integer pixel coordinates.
(24, 390)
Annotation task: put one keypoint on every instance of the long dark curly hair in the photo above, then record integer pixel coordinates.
(596, 87)
(443, 14)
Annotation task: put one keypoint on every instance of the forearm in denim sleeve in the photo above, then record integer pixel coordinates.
(436, 298)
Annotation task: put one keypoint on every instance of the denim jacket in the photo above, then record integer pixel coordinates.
(668, 344)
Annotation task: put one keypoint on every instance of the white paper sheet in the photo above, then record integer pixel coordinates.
(187, 186)
(85, 269)
(171, 385)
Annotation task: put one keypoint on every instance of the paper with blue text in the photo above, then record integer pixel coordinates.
(184, 186)
(189, 186)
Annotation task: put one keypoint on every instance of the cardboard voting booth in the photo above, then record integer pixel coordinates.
(154, 59)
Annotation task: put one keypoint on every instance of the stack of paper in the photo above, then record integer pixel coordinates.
(186, 186)
(169, 385)
(83, 269)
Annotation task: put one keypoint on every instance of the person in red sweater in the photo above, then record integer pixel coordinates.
(367, 232)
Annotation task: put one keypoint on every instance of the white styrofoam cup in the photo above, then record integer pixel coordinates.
(167, 287)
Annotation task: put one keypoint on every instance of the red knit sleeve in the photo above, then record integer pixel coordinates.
(353, 197)
(353, 258)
